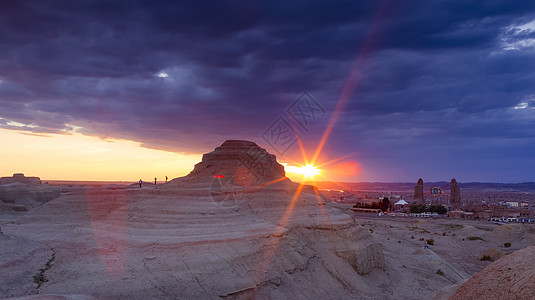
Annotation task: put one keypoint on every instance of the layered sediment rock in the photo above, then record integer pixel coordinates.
(365, 259)
(242, 163)
(25, 193)
(510, 277)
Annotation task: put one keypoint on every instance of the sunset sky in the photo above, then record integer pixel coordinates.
(118, 90)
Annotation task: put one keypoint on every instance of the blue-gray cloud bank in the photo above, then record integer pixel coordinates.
(431, 89)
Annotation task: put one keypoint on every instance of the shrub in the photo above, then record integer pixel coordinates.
(39, 279)
(432, 208)
(412, 237)
(485, 257)
(399, 241)
(430, 241)
(421, 239)
(371, 230)
(443, 234)
(440, 272)
(507, 245)
(474, 238)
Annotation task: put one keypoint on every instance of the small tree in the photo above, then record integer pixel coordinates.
(384, 204)
(438, 209)
(416, 208)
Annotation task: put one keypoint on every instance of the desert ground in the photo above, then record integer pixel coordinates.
(160, 242)
(227, 231)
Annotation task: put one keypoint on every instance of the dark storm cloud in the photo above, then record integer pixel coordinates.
(438, 74)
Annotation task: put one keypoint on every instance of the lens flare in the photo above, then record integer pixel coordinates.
(310, 171)
(306, 172)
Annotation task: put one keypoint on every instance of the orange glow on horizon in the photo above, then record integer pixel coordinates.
(80, 157)
(345, 169)
(302, 172)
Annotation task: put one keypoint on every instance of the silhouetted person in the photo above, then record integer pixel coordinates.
(155, 180)
(165, 179)
(140, 182)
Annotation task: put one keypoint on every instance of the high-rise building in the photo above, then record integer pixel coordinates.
(455, 194)
(419, 190)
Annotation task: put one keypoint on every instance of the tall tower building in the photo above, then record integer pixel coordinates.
(419, 190)
(455, 194)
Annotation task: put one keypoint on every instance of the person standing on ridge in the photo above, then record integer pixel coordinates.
(165, 179)
(140, 182)
(154, 180)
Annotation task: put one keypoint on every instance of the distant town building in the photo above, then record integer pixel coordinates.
(438, 195)
(455, 194)
(419, 190)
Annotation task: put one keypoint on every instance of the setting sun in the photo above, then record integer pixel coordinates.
(306, 172)
(309, 171)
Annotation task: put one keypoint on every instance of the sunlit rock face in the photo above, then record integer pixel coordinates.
(244, 163)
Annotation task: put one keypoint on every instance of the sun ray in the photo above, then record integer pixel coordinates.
(344, 187)
(303, 152)
(351, 84)
(286, 217)
(267, 256)
(265, 184)
(335, 160)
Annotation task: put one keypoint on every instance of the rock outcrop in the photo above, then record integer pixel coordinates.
(24, 197)
(243, 163)
(510, 277)
(20, 178)
(365, 259)
(492, 254)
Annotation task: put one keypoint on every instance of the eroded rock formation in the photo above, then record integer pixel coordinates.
(20, 178)
(366, 258)
(25, 193)
(243, 163)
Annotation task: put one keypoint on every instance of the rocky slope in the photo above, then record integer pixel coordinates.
(510, 277)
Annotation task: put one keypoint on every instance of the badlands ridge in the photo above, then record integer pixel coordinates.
(234, 228)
